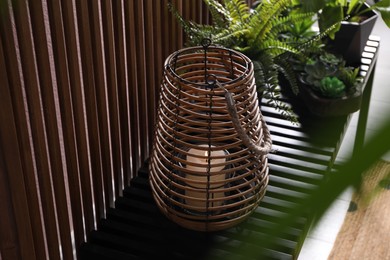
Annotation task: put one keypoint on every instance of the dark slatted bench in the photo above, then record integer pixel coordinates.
(135, 228)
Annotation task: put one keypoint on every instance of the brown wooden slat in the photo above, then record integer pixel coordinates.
(123, 89)
(87, 62)
(141, 65)
(150, 68)
(67, 120)
(113, 99)
(133, 83)
(99, 91)
(38, 129)
(174, 30)
(53, 126)
(74, 103)
(158, 55)
(195, 14)
(165, 26)
(8, 239)
(13, 160)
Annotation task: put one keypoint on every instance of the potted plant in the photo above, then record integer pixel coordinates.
(330, 87)
(355, 18)
(258, 33)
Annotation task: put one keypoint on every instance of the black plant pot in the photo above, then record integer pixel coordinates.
(330, 107)
(352, 37)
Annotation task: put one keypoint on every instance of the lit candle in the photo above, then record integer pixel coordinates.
(201, 165)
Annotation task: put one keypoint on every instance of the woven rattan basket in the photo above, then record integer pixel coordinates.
(208, 166)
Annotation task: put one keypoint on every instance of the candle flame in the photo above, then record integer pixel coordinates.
(206, 154)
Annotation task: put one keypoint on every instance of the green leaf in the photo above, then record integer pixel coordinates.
(239, 11)
(384, 8)
(262, 23)
(385, 14)
(331, 16)
(218, 12)
(332, 87)
(352, 5)
(313, 6)
(286, 68)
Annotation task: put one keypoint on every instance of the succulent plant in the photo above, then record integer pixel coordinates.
(332, 87)
(328, 75)
(331, 59)
(316, 71)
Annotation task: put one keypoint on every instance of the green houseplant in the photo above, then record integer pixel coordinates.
(329, 76)
(357, 18)
(259, 34)
(329, 86)
(333, 11)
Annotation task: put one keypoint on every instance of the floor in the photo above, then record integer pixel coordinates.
(319, 242)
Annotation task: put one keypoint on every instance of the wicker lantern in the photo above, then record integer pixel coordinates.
(208, 166)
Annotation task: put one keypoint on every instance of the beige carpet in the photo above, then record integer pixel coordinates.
(365, 233)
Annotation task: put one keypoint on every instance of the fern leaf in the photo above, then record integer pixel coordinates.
(259, 74)
(239, 11)
(273, 99)
(318, 37)
(196, 33)
(264, 20)
(218, 13)
(277, 48)
(282, 24)
(286, 69)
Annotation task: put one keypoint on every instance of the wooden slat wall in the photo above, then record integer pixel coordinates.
(79, 84)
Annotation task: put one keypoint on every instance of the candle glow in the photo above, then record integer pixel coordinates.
(199, 163)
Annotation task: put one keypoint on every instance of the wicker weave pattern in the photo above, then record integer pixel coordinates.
(220, 184)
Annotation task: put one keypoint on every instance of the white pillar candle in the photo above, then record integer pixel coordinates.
(201, 168)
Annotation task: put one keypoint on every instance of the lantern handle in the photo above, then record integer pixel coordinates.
(257, 149)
